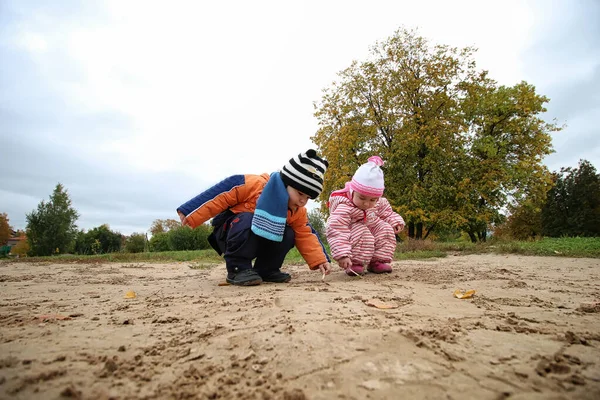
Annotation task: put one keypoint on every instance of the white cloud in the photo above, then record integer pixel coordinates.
(207, 85)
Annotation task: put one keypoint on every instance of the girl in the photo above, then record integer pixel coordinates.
(361, 226)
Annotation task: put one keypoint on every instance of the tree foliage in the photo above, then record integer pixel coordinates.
(573, 204)
(5, 229)
(164, 225)
(51, 228)
(457, 146)
(316, 219)
(524, 221)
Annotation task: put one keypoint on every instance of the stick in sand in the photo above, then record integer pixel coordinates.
(323, 280)
(355, 273)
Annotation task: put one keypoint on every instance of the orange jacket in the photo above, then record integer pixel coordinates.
(239, 193)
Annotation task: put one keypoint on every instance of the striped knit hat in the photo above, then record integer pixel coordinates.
(368, 178)
(305, 173)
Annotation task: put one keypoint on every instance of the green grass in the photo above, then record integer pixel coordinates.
(555, 247)
(419, 254)
(408, 250)
(159, 257)
(561, 247)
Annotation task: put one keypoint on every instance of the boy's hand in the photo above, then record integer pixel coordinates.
(398, 229)
(325, 268)
(344, 262)
(181, 217)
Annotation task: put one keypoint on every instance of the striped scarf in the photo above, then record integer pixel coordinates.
(270, 215)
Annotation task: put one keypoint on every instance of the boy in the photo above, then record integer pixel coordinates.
(262, 217)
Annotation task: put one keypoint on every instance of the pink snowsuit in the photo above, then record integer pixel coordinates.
(363, 235)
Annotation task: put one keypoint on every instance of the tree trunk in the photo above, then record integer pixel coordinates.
(473, 237)
(411, 230)
(482, 235)
(429, 231)
(419, 233)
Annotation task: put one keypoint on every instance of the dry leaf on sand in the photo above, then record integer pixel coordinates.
(130, 295)
(380, 304)
(459, 294)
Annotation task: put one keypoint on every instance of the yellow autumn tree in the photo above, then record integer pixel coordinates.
(164, 225)
(457, 146)
(20, 249)
(5, 229)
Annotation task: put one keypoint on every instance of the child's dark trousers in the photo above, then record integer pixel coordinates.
(233, 238)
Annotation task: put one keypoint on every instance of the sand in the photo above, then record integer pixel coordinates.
(531, 331)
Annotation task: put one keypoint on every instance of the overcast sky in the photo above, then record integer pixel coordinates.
(137, 106)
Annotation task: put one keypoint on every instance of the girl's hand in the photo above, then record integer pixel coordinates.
(344, 262)
(398, 229)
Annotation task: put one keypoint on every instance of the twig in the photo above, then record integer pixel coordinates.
(323, 280)
(355, 273)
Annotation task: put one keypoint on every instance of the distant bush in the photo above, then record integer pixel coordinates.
(20, 249)
(136, 243)
(159, 242)
(417, 245)
(99, 240)
(201, 234)
(181, 238)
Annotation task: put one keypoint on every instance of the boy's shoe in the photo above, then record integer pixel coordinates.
(357, 268)
(246, 277)
(275, 276)
(379, 267)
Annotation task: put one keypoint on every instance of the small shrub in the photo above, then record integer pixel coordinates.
(182, 238)
(201, 234)
(99, 240)
(136, 243)
(20, 249)
(417, 245)
(159, 242)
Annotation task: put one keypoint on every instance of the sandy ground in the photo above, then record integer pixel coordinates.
(532, 331)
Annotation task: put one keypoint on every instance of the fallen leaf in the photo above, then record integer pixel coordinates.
(589, 307)
(130, 295)
(224, 283)
(459, 294)
(380, 304)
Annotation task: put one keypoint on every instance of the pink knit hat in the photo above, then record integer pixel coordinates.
(368, 178)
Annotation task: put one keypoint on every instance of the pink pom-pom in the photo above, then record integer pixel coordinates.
(376, 160)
